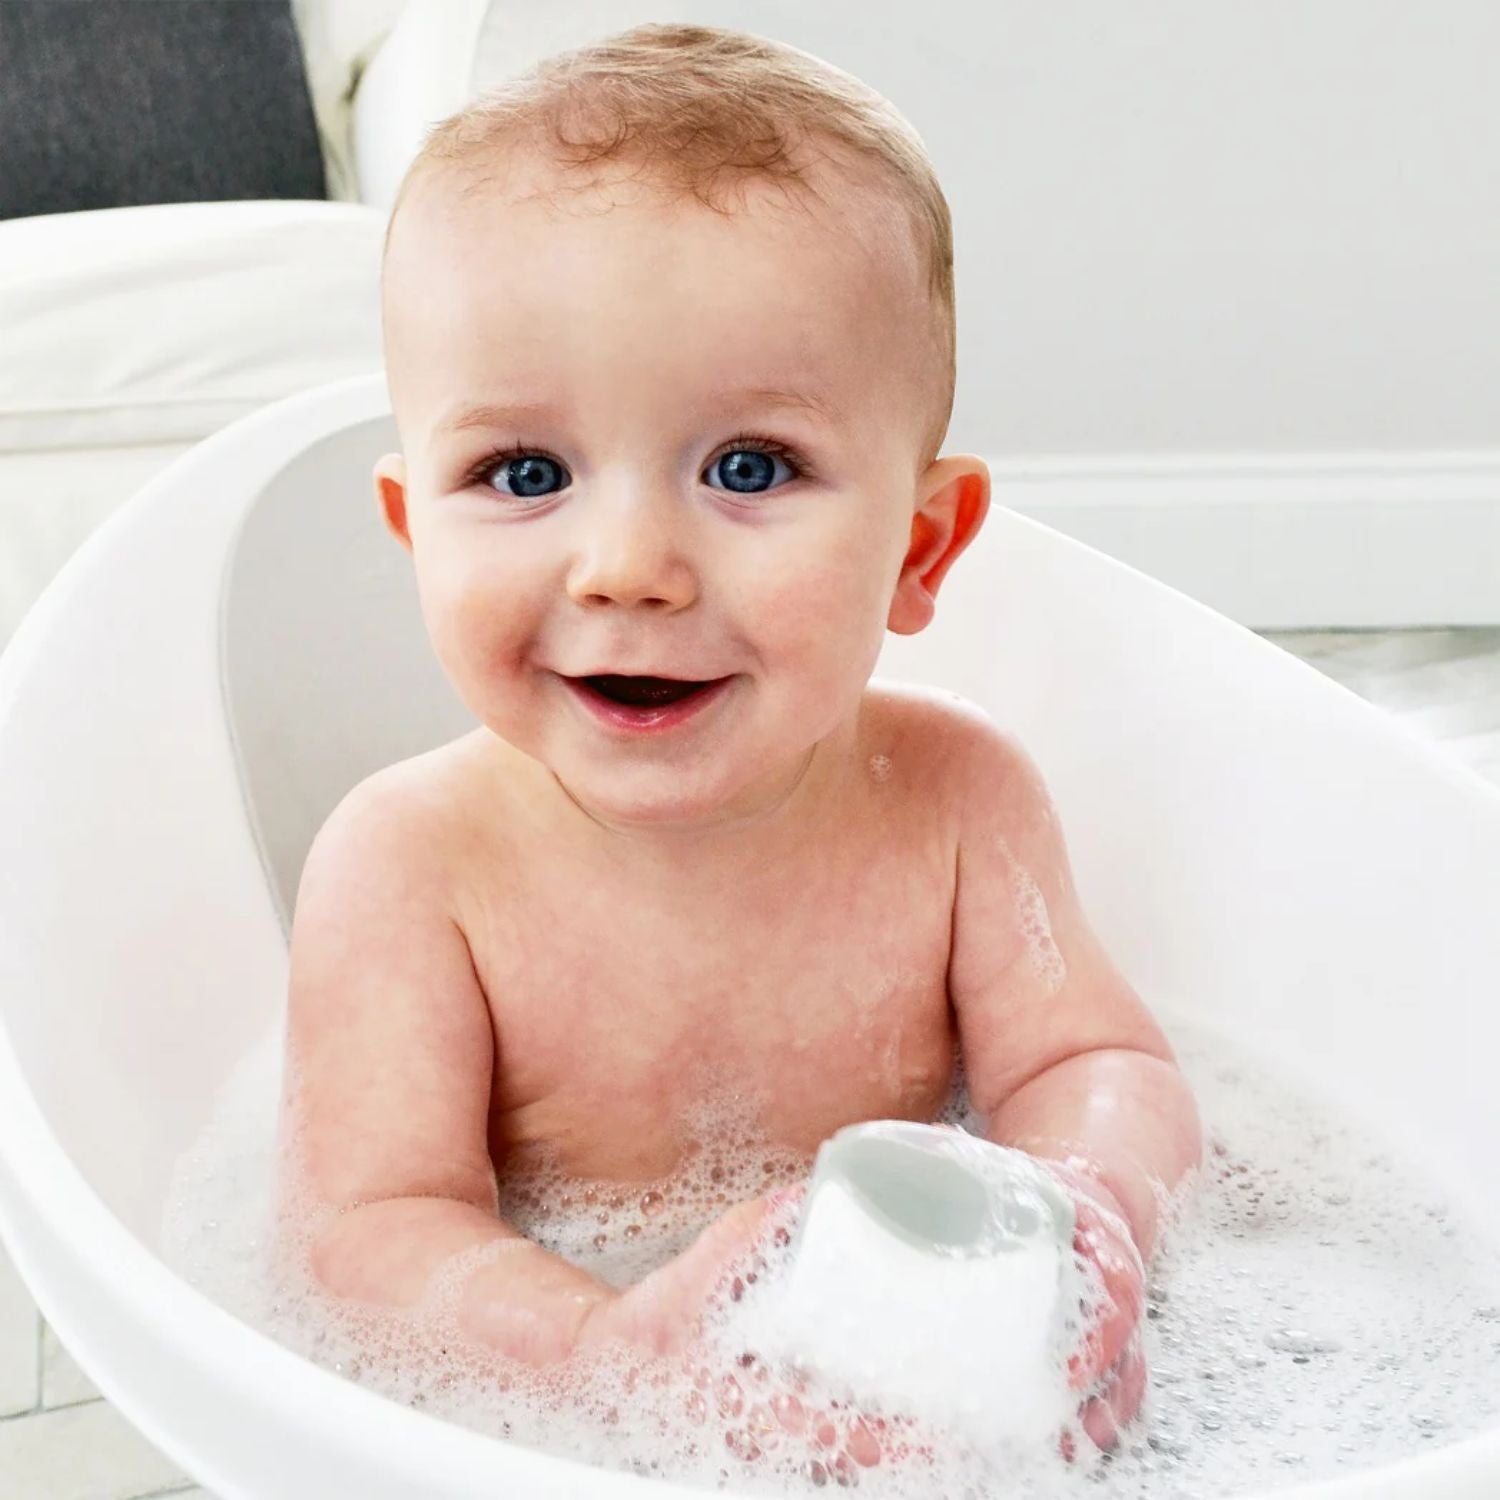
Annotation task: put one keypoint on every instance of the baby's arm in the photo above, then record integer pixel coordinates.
(392, 1044)
(1061, 1056)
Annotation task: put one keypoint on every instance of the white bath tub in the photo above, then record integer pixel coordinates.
(241, 643)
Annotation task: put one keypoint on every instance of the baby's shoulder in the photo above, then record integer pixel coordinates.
(941, 731)
(977, 777)
(405, 819)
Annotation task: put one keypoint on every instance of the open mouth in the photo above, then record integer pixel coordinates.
(645, 703)
(645, 692)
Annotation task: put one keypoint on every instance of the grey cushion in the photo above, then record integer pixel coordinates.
(105, 103)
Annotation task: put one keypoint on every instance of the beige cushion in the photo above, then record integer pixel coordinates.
(160, 323)
(420, 74)
(50, 500)
(339, 38)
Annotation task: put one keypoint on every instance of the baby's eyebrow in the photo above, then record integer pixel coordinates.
(491, 414)
(508, 414)
(771, 396)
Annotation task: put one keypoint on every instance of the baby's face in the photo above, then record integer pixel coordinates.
(714, 432)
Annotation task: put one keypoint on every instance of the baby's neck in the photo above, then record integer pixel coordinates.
(781, 812)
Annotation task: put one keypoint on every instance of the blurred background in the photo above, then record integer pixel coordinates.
(1228, 310)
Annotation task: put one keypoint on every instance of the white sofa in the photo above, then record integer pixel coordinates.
(130, 334)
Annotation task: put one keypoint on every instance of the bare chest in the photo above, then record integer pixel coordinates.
(623, 1023)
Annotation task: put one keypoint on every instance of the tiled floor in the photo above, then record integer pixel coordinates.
(1443, 685)
(59, 1440)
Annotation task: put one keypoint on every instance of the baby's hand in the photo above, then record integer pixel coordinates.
(1110, 1351)
(662, 1313)
(761, 1408)
(777, 1410)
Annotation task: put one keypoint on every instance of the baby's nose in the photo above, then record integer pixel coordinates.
(633, 553)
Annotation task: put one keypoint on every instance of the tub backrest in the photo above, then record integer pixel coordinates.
(328, 671)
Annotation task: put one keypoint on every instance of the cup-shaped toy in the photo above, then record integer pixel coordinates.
(933, 1271)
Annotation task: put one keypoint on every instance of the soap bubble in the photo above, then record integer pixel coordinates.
(1395, 1321)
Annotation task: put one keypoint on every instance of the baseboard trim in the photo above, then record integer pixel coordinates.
(1291, 541)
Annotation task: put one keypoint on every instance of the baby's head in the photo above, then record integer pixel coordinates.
(669, 337)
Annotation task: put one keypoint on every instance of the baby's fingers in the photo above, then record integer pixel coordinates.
(731, 1240)
(663, 1311)
(1105, 1415)
(709, 1265)
(846, 1444)
(1106, 1245)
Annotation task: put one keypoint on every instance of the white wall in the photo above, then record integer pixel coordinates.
(1185, 225)
(1271, 226)
(1267, 225)
(1259, 240)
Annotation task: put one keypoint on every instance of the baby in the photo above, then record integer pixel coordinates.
(669, 335)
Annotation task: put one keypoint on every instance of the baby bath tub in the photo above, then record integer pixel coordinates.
(241, 642)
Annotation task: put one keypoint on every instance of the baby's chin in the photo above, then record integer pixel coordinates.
(665, 797)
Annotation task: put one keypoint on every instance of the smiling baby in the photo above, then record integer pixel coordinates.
(669, 336)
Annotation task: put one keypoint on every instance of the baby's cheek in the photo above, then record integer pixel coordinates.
(824, 622)
(478, 629)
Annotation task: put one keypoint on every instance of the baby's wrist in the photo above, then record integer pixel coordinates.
(1085, 1175)
(592, 1326)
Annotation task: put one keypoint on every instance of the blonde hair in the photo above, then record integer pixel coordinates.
(695, 102)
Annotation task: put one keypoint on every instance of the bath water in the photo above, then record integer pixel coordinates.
(1315, 1305)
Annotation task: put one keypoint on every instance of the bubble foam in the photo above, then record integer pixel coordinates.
(1314, 1306)
(1042, 952)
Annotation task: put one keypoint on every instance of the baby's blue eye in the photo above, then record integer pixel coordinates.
(531, 474)
(748, 471)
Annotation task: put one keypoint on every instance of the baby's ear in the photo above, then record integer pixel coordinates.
(390, 493)
(952, 499)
